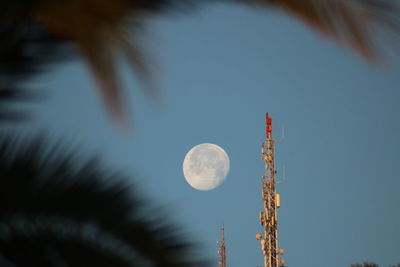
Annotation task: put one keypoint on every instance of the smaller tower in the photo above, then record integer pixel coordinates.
(222, 249)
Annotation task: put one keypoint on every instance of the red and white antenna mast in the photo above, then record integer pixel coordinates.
(222, 250)
(271, 200)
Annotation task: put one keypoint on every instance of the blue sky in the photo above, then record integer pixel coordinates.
(219, 70)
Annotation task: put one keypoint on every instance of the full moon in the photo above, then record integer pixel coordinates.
(206, 166)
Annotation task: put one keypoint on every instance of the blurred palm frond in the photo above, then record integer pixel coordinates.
(365, 264)
(353, 22)
(26, 49)
(57, 210)
(100, 29)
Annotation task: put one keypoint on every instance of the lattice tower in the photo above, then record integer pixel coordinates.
(271, 201)
(222, 250)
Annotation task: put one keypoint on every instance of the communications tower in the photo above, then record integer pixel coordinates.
(222, 250)
(269, 216)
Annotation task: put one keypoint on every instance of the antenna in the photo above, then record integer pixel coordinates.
(222, 249)
(280, 140)
(283, 175)
(271, 200)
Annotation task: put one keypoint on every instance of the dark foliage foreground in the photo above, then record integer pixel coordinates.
(370, 264)
(56, 212)
(365, 264)
(36, 33)
(25, 50)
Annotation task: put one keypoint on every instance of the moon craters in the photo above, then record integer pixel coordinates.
(206, 166)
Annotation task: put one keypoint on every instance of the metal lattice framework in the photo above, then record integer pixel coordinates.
(271, 200)
(222, 250)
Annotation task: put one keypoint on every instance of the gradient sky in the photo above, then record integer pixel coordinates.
(220, 69)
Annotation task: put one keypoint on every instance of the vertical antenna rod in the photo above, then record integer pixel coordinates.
(271, 200)
(222, 250)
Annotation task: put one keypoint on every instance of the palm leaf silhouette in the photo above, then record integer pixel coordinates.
(370, 264)
(101, 28)
(365, 264)
(56, 212)
(25, 50)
